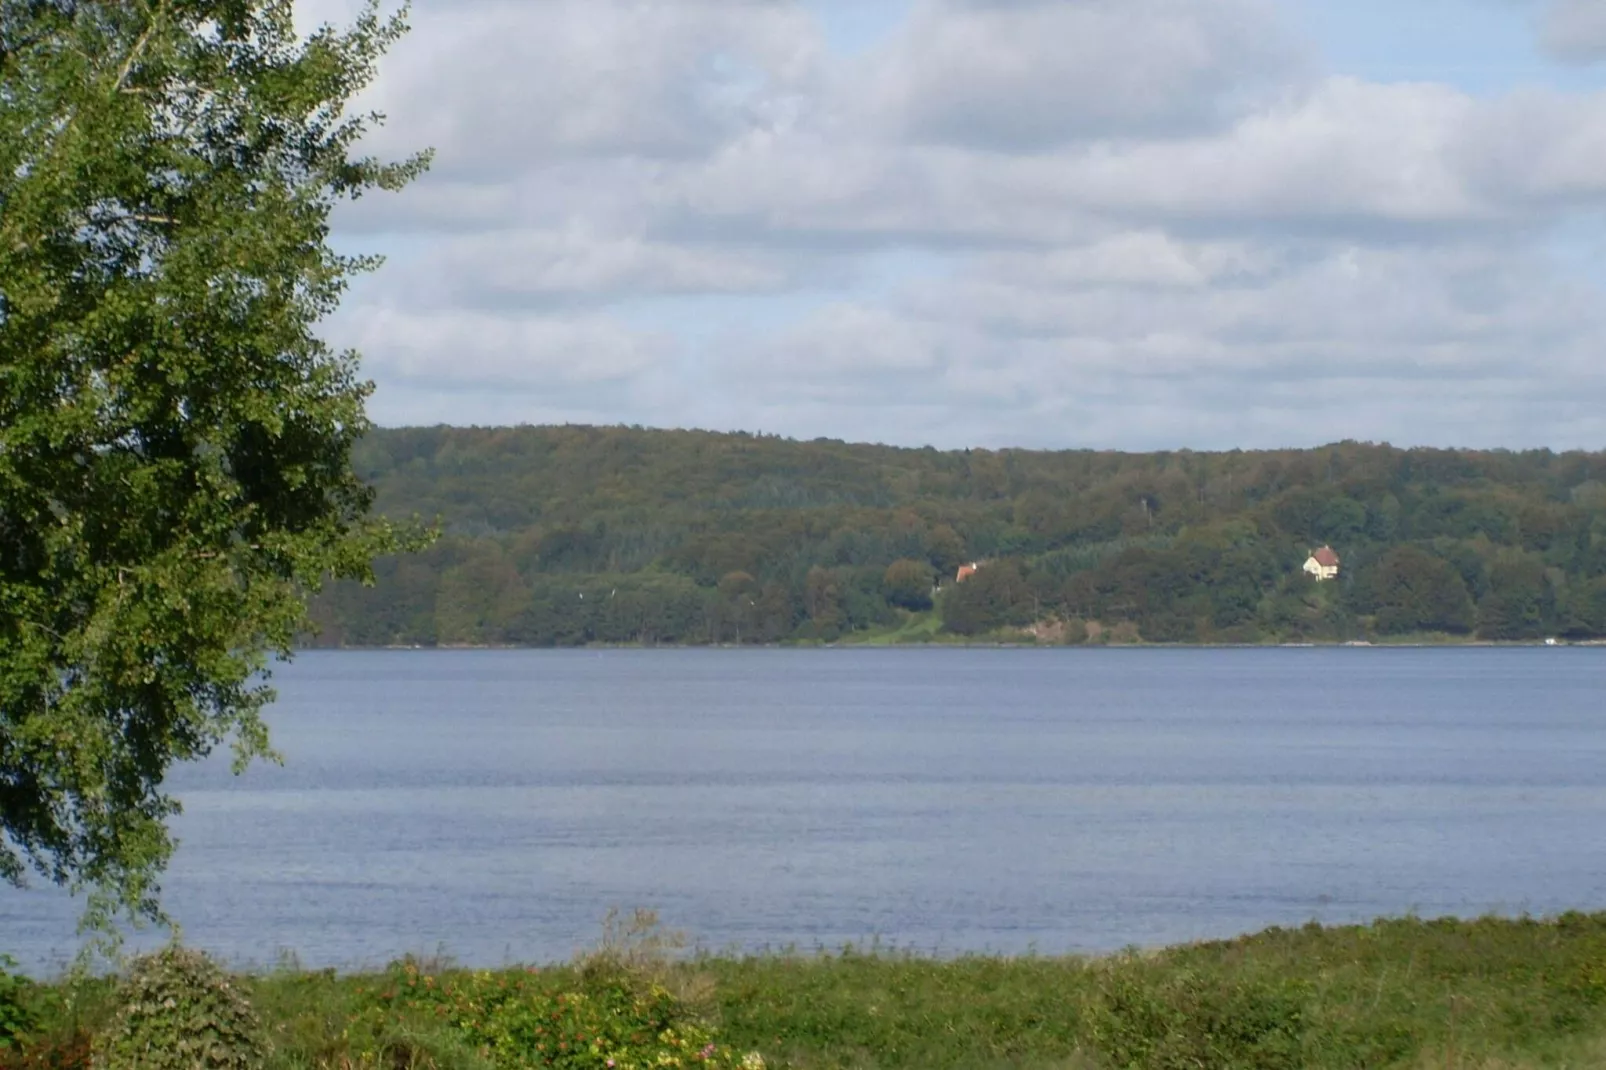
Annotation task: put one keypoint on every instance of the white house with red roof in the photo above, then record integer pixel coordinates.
(1322, 564)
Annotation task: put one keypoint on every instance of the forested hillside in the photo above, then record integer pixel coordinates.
(571, 535)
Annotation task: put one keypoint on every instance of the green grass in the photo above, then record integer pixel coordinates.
(911, 628)
(1395, 994)
(1409, 994)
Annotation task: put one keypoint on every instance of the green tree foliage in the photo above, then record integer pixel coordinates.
(907, 584)
(174, 439)
(737, 605)
(1411, 590)
(996, 596)
(824, 602)
(1520, 603)
(832, 538)
(16, 1012)
(944, 548)
(1206, 584)
(1585, 610)
(1304, 610)
(647, 608)
(479, 599)
(1319, 515)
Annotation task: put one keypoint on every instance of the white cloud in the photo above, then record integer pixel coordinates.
(1538, 148)
(1050, 222)
(1347, 149)
(1136, 259)
(843, 341)
(580, 263)
(1364, 342)
(1029, 73)
(497, 86)
(1575, 30)
(1341, 152)
(1305, 309)
(459, 349)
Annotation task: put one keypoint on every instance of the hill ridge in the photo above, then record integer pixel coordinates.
(707, 536)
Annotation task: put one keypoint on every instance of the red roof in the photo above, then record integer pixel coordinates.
(1326, 558)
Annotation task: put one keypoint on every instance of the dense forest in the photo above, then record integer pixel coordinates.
(575, 535)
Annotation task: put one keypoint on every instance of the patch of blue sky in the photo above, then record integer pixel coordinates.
(1483, 47)
(853, 27)
(1578, 244)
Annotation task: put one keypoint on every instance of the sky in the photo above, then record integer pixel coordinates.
(1125, 224)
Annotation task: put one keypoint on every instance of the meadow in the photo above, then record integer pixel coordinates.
(1495, 994)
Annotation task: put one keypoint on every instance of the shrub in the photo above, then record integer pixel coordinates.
(178, 1010)
(637, 948)
(70, 1051)
(519, 1019)
(1146, 1018)
(16, 1016)
(626, 1005)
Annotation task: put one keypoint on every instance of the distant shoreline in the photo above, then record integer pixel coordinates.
(1479, 644)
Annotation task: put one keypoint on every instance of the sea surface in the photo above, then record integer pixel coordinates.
(495, 804)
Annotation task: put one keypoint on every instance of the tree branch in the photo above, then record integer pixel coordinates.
(139, 47)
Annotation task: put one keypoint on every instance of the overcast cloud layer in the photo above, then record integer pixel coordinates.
(1114, 223)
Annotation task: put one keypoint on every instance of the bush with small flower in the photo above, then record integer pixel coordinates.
(599, 1020)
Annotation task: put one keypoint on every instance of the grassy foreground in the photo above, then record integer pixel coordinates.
(1408, 993)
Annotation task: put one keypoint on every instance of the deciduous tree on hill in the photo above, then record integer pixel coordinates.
(907, 584)
(175, 440)
(997, 596)
(1411, 590)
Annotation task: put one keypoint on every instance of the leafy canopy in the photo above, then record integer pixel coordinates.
(174, 439)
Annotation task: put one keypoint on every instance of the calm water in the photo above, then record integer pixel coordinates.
(497, 803)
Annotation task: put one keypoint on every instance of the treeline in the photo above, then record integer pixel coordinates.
(575, 535)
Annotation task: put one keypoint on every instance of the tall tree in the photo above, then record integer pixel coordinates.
(996, 596)
(908, 584)
(1521, 603)
(175, 439)
(1414, 591)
